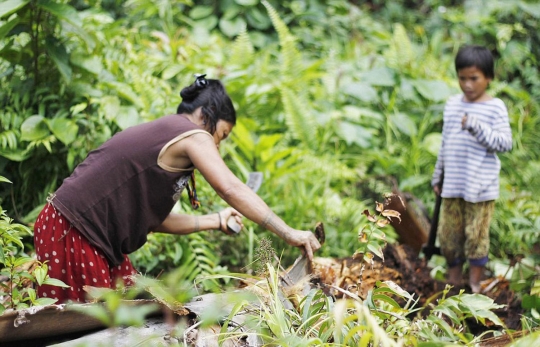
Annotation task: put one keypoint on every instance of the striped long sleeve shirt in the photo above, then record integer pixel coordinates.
(468, 155)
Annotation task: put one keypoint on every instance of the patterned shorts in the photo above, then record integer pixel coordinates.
(72, 259)
(464, 231)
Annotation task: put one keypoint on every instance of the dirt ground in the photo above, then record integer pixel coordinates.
(403, 266)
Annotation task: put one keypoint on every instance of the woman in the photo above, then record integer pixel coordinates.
(128, 187)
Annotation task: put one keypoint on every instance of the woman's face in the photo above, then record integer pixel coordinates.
(223, 129)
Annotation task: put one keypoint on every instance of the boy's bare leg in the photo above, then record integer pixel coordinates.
(475, 276)
(455, 275)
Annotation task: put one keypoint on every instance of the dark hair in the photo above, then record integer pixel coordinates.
(211, 95)
(477, 56)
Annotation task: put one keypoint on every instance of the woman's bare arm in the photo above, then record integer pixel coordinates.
(182, 224)
(204, 155)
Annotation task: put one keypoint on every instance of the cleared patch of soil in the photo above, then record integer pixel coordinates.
(403, 266)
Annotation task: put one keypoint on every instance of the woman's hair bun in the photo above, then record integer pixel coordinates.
(191, 92)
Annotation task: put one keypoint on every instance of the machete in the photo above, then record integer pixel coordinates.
(254, 182)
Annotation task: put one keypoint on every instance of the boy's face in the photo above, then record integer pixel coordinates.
(473, 83)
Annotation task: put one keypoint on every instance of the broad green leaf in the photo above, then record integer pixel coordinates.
(65, 130)
(34, 128)
(62, 11)
(432, 90)
(392, 287)
(76, 109)
(10, 6)
(353, 133)
(86, 89)
(361, 91)
(491, 316)
(91, 64)
(268, 142)
(2, 256)
(31, 294)
(55, 282)
(110, 106)
(404, 124)
(59, 55)
(127, 117)
(44, 301)
(448, 312)
(40, 273)
(207, 23)
(6, 28)
(231, 12)
(199, 12)
(386, 299)
(375, 249)
(407, 90)
(232, 27)
(432, 143)
(258, 19)
(379, 77)
(23, 260)
(477, 301)
(17, 155)
(3, 179)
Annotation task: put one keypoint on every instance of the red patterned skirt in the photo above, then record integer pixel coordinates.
(72, 259)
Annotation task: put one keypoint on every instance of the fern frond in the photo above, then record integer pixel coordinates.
(291, 66)
(242, 50)
(400, 54)
(202, 259)
(8, 139)
(301, 123)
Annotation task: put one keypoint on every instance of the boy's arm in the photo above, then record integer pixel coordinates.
(497, 138)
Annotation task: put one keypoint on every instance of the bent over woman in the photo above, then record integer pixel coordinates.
(127, 188)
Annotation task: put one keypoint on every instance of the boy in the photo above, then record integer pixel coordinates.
(475, 127)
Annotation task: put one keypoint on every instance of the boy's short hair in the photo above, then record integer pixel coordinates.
(477, 56)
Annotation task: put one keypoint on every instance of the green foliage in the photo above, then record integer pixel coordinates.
(115, 309)
(15, 292)
(331, 97)
(379, 320)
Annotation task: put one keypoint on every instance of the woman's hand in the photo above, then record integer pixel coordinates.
(225, 214)
(305, 240)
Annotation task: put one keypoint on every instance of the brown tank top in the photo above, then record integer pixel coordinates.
(121, 191)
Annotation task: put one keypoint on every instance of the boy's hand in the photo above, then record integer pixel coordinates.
(437, 189)
(463, 121)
